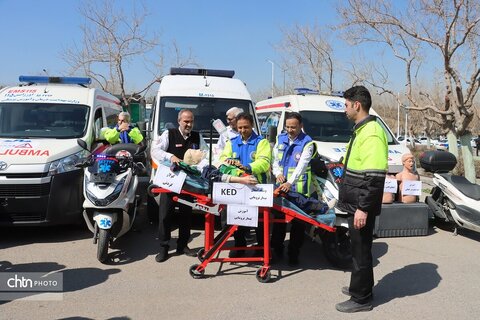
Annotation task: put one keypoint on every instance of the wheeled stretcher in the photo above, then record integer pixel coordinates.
(214, 244)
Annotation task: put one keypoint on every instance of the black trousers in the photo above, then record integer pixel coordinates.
(297, 235)
(241, 233)
(361, 280)
(165, 215)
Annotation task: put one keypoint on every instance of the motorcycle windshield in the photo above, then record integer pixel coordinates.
(104, 169)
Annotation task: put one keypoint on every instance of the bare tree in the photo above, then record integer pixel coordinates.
(260, 94)
(447, 32)
(308, 56)
(112, 41)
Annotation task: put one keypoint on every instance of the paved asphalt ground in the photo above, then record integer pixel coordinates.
(431, 277)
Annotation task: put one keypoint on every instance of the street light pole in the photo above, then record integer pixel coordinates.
(284, 70)
(398, 115)
(406, 122)
(273, 84)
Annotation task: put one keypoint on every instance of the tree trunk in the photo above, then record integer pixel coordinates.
(453, 148)
(467, 154)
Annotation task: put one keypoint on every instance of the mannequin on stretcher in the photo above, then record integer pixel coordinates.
(199, 173)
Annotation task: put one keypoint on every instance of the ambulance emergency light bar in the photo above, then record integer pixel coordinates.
(202, 72)
(305, 91)
(338, 93)
(63, 80)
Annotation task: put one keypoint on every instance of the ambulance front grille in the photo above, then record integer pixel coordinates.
(24, 190)
(24, 175)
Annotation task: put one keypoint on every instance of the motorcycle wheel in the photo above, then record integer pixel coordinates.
(337, 248)
(436, 202)
(103, 240)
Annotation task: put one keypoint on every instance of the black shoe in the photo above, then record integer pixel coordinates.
(162, 255)
(293, 260)
(236, 254)
(346, 291)
(351, 306)
(187, 251)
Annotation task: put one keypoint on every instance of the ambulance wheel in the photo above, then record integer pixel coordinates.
(195, 273)
(337, 248)
(102, 245)
(200, 254)
(265, 278)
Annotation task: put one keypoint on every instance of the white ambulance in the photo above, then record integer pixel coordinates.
(324, 120)
(208, 93)
(40, 122)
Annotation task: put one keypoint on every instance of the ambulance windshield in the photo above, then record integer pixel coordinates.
(204, 109)
(46, 120)
(333, 126)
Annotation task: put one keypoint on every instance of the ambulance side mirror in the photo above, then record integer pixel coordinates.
(82, 144)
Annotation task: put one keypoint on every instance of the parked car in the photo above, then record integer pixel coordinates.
(424, 141)
(409, 140)
(473, 142)
(442, 144)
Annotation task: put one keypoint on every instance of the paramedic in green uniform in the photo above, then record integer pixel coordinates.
(360, 194)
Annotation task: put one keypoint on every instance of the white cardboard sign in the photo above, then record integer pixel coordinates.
(391, 186)
(167, 179)
(228, 193)
(260, 195)
(242, 215)
(412, 188)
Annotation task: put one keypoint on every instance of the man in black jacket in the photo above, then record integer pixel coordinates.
(360, 194)
(171, 146)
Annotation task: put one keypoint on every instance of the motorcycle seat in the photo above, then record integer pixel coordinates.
(469, 189)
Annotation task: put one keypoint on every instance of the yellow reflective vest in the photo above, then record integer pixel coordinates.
(366, 165)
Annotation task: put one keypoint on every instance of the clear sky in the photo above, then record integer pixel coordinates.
(223, 34)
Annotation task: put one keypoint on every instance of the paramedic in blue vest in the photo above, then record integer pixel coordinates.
(251, 153)
(360, 194)
(291, 168)
(123, 132)
(171, 146)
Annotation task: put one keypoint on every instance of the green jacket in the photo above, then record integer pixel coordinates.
(366, 167)
(112, 135)
(255, 155)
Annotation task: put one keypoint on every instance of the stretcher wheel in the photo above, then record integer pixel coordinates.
(265, 278)
(195, 273)
(200, 254)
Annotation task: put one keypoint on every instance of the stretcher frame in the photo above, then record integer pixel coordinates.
(213, 245)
